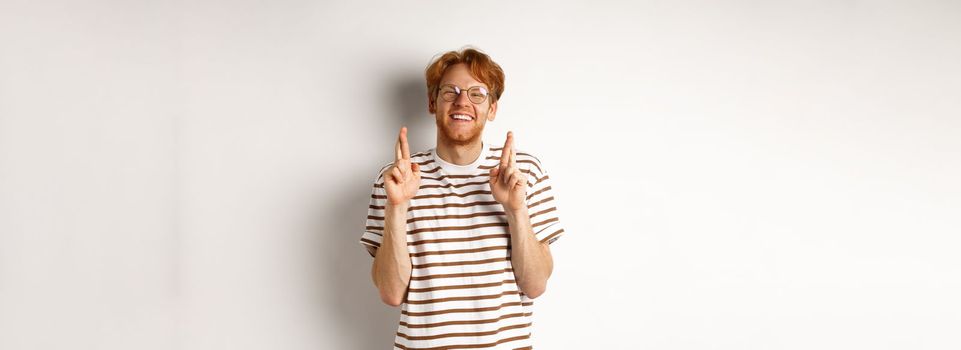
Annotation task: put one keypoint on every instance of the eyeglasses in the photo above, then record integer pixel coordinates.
(476, 94)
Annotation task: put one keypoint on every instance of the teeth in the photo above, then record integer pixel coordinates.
(461, 117)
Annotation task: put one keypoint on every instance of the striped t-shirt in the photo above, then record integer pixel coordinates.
(462, 292)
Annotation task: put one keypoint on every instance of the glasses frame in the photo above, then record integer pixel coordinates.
(458, 90)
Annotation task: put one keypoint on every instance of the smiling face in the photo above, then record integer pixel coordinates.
(449, 115)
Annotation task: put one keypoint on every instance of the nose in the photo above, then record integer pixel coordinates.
(462, 99)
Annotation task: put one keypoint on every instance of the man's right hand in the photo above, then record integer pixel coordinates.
(403, 179)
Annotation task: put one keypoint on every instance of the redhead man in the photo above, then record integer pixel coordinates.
(460, 233)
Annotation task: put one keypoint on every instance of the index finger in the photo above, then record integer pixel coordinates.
(507, 150)
(513, 158)
(398, 155)
(404, 147)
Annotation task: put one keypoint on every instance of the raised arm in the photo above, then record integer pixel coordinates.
(531, 259)
(392, 266)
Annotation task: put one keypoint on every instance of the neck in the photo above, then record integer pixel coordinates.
(458, 153)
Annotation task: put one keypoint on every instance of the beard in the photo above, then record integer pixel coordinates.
(459, 136)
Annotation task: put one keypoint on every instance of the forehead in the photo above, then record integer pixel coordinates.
(459, 75)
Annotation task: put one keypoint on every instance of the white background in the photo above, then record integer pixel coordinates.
(732, 175)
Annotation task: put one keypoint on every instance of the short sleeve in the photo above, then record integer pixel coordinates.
(374, 229)
(542, 205)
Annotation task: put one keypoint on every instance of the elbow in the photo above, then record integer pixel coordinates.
(533, 292)
(392, 300)
(391, 296)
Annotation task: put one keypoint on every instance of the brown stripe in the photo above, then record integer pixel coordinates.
(451, 205)
(412, 156)
(545, 211)
(428, 161)
(454, 311)
(464, 239)
(525, 171)
(471, 346)
(518, 153)
(456, 185)
(466, 274)
(470, 298)
(498, 159)
(458, 251)
(541, 201)
(548, 188)
(487, 175)
(546, 177)
(438, 195)
(437, 206)
(456, 228)
(381, 177)
(454, 176)
(441, 217)
(548, 238)
(529, 155)
(544, 222)
(431, 171)
(529, 183)
(451, 194)
(464, 334)
(460, 263)
(460, 286)
(370, 242)
(449, 185)
(452, 323)
(460, 216)
(371, 228)
(532, 163)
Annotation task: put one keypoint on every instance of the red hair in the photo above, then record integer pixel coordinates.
(481, 66)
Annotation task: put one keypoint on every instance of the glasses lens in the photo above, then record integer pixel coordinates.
(449, 93)
(477, 94)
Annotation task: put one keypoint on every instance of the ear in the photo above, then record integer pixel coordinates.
(430, 105)
(492, 112)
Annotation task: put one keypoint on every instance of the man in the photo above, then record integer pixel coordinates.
(460, 233)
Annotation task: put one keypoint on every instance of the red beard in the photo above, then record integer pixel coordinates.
(458, 135)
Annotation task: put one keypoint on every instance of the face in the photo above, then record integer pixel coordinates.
(450, 129)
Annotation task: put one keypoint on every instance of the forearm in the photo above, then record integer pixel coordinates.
(530, 258)
(392, 265)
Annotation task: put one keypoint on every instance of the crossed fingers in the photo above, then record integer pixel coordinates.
(401, 148)
(402, 157)
(509, 173)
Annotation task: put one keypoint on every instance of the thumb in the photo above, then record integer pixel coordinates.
(415, 168)
(494, 172)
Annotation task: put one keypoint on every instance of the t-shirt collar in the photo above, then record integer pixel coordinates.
(462, 169)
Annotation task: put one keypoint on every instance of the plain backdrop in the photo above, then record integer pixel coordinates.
(194, 175)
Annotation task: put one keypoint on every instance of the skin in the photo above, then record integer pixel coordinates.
(457, 143)
(392, 264)
(460, 144)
